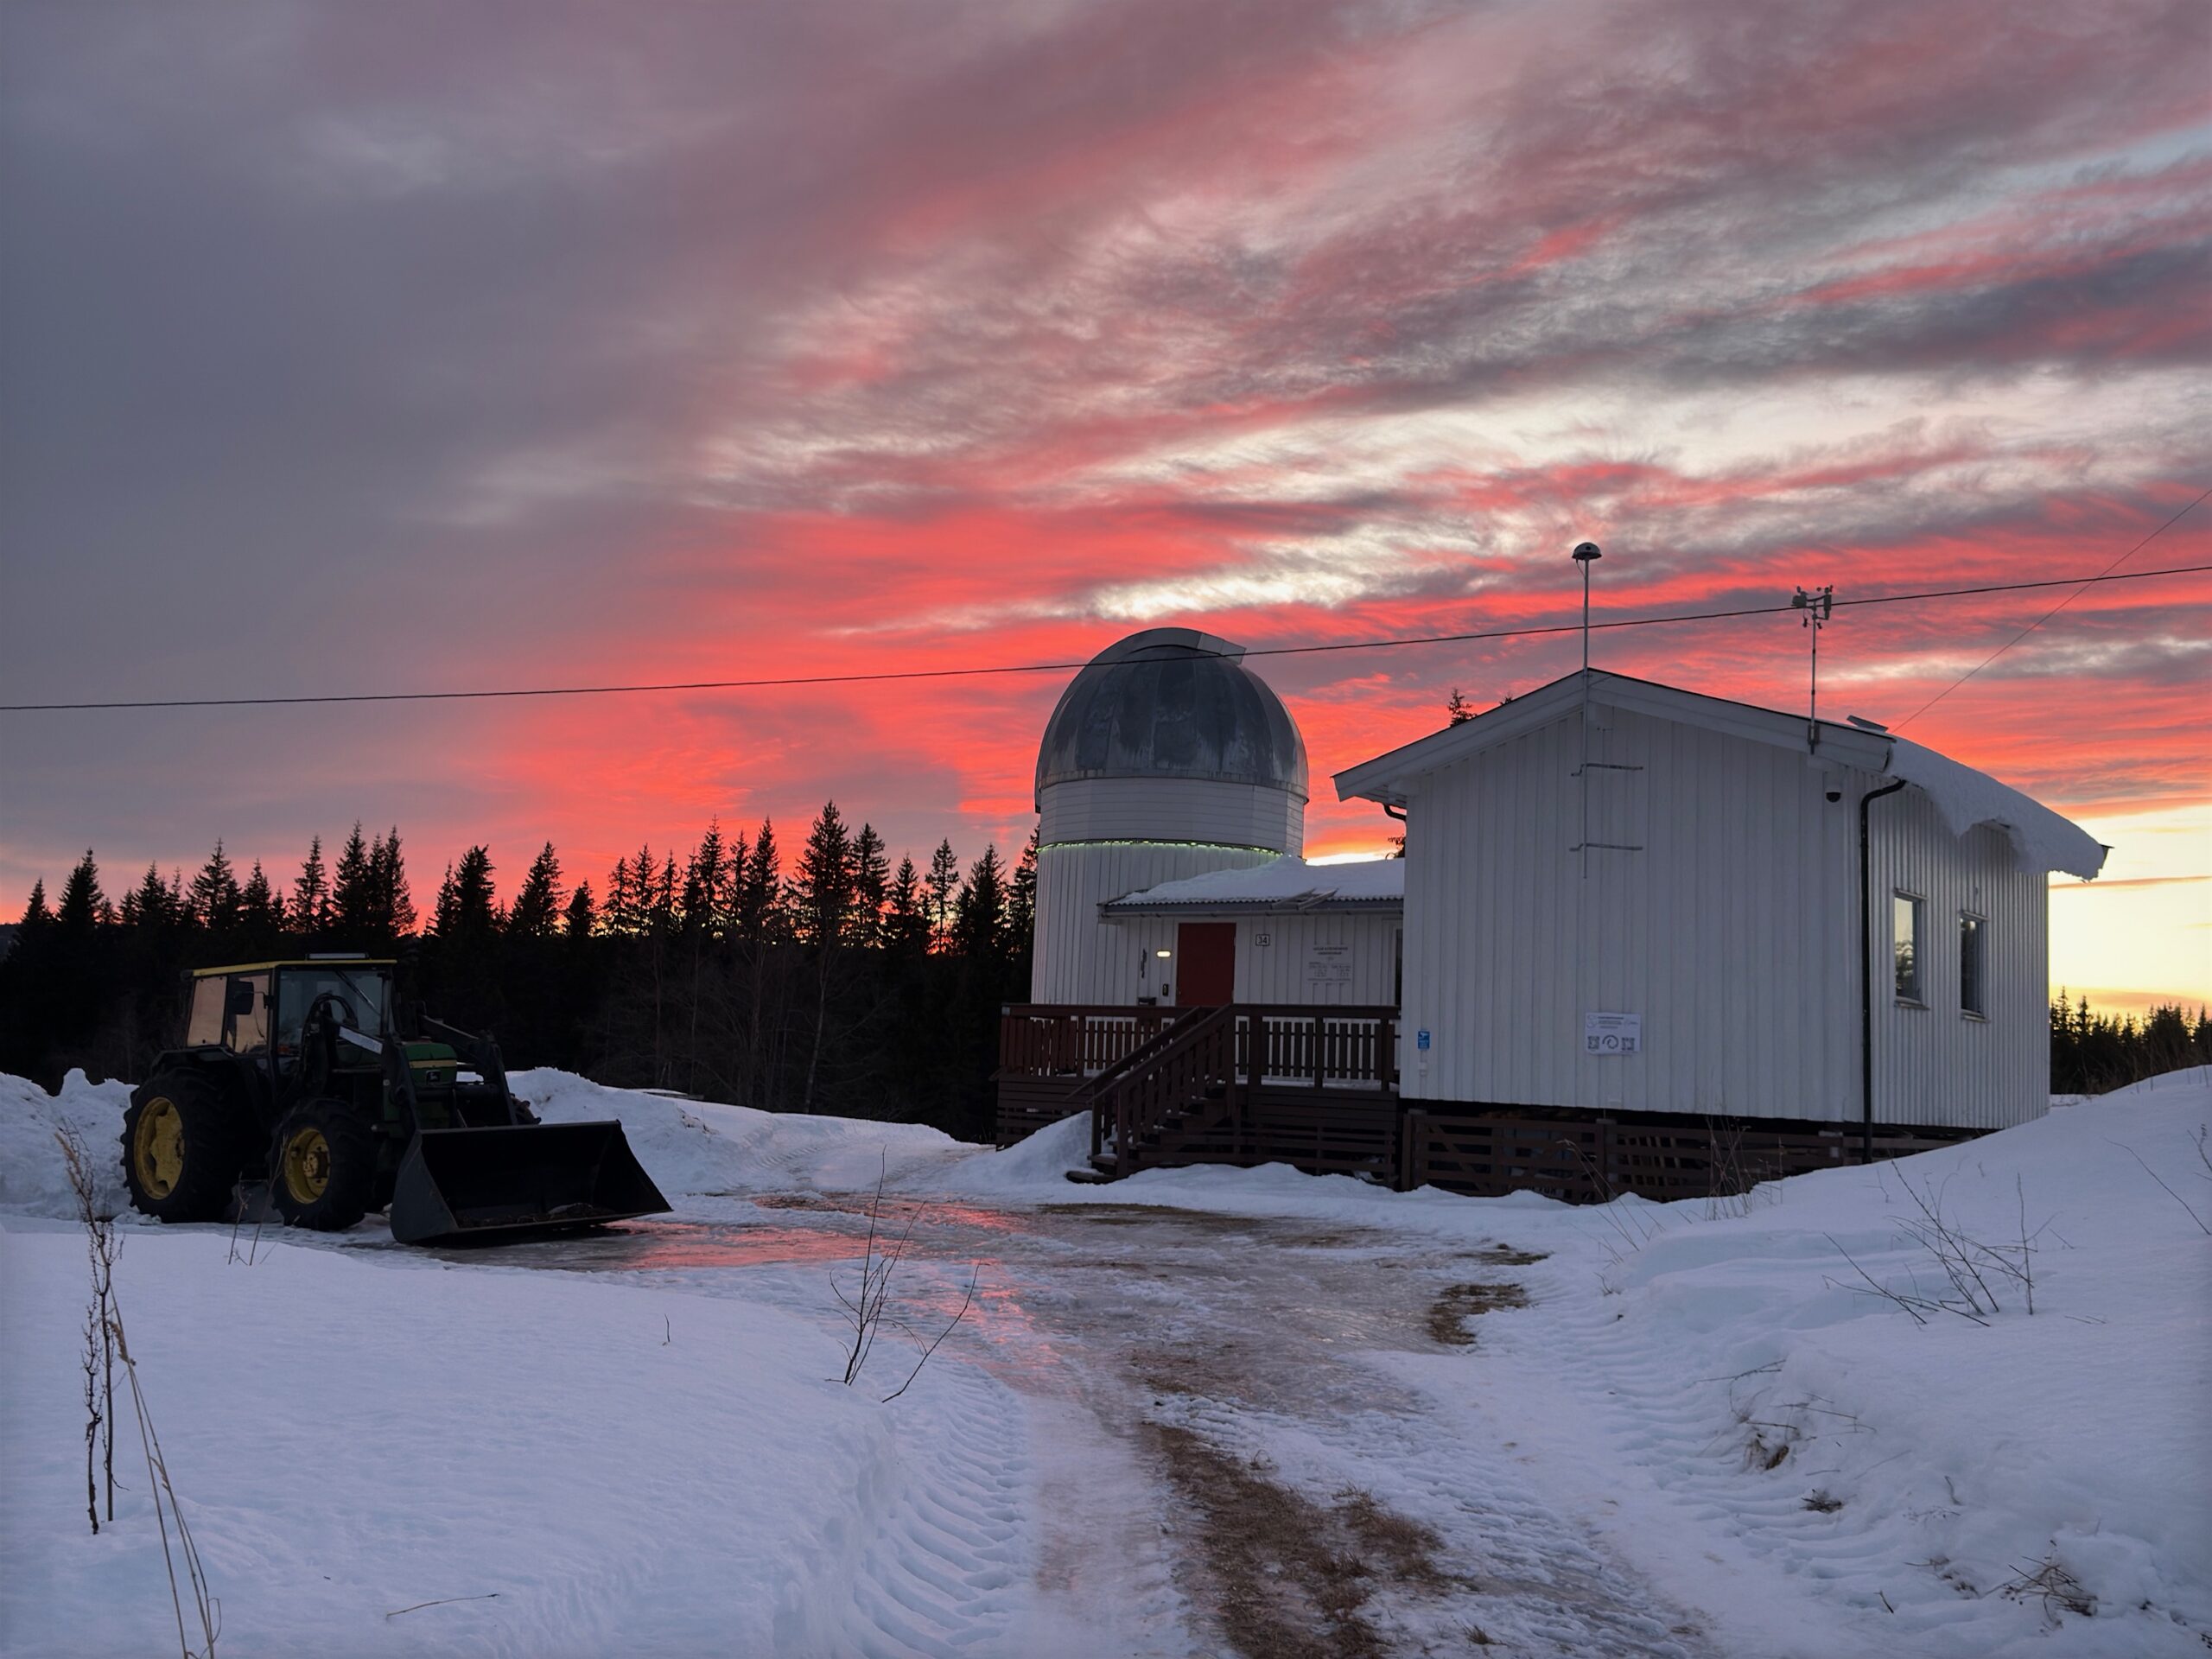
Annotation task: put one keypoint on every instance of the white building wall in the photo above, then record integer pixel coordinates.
(1935, 1063)
(1079, 959)
(1733, 933)
(1277, 971)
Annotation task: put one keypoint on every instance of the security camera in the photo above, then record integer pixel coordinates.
(1834, 795)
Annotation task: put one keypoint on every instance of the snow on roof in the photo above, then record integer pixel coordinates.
(1966, 798)
(1288, 883)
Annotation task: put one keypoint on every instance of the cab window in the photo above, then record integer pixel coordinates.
(205, 1028)
(247, 1003)
(360, 1000)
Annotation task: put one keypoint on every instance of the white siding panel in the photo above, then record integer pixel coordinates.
(1731, 930)
(1276, 972)
(1933, 1064)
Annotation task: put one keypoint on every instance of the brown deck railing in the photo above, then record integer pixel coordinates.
(1276, 1042)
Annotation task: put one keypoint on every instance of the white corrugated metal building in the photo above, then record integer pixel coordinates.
(1624, 897)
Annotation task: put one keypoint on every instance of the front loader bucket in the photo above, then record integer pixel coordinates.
(497, 1185)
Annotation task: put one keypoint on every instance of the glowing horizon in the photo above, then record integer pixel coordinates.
(355, 347)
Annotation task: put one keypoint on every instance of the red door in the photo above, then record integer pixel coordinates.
(1206, 965)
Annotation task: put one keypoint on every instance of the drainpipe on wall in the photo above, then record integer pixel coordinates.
(1867, 975)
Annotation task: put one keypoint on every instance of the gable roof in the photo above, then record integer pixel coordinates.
(1963, 796)
(1287, 883)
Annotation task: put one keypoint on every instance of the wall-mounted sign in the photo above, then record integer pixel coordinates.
(1613, 1033)
(1262, 941)
(1328, 964)
(1421, 1041)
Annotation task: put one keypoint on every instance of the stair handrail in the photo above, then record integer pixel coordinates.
(1124, 1096)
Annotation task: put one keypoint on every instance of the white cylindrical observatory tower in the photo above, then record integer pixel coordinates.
(1166, 758)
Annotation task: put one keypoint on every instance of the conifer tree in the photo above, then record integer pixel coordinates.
(663, 889)
(392, 903)
(905, 923)
(83, 906)
(537, 910)
(1458, 710)
(823, 884)
(214, 893)
(623, 910)
(147, 904)
(36, 917)
(940, 890)
(261, 913)
(1021, 898)
(580, 921)
(759, 916)
(310, 906)
(871, 886)
(352, 898)
(979, 918)
(467, 908)
(706, 884)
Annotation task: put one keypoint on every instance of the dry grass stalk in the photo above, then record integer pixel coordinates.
(168, 1514)
(102, 1244)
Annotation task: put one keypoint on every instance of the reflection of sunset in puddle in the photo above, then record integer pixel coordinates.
(669, 1246)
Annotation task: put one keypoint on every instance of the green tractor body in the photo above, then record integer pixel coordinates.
(298, 1073)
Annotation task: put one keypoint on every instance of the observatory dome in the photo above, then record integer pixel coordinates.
(1172, 703)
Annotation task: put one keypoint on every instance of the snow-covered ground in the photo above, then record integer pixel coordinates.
(1702, 1434)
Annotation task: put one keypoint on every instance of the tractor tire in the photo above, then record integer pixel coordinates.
(322, 1166)
(183, 1147)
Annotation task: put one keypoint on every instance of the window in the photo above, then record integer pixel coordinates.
(204, 1028)
(1905, 941)
(1973, 942)
(249, 1013)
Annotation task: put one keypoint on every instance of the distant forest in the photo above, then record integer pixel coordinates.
(838, 984)
(834, 983)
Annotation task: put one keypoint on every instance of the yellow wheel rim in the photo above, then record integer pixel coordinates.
(307, 1166)
(157, 1147)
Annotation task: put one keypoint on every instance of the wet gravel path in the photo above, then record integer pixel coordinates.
(1320, 1360)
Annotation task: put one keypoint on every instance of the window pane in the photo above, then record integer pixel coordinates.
(1972, 939)
(206, 1026)
(250, 1030)
(1906, 937)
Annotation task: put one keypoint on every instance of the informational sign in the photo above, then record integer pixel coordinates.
(1328, 964)
(1613, 1033)
(1262, 941)
(1420, 1040)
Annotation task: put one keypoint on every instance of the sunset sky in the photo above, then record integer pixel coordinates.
(391, 346)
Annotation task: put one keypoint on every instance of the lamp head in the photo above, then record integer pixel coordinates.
(1585, 551)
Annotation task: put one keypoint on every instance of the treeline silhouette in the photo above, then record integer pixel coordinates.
(2093, 1053)
(836, 983)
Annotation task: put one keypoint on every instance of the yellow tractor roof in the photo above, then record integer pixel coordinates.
(298, 962)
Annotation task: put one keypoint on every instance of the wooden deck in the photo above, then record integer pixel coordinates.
(1317, 1088)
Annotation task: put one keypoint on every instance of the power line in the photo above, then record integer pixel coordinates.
(795, 680)
(2105, 575)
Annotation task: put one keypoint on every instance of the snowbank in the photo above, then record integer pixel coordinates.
(696, 1148)
(34, 1180)
(612, 1469)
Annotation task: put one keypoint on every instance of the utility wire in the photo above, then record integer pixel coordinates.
(2103, 575)
(791, 680)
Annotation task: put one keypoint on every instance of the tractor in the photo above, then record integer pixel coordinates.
(295, 1086)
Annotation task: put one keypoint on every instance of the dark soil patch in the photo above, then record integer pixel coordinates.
(1500, 1255)
(1287, 1576)
(1448, 1315)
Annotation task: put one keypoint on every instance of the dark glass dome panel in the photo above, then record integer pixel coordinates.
(1172, 703)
